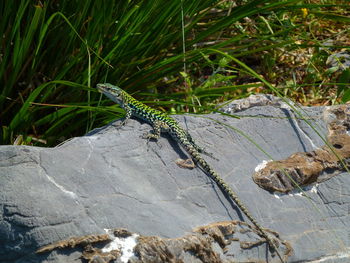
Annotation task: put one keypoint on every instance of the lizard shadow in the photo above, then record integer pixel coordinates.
(183, 155)
(214, 185)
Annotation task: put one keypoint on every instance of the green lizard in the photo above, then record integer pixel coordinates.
(163, 123)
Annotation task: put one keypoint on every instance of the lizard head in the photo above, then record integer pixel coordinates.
(111, 91)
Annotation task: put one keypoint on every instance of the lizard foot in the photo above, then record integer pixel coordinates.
(150, 136)
(119, 125)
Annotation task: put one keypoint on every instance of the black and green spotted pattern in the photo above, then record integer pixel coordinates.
(163, 123)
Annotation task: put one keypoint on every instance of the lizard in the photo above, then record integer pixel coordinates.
(161, 122)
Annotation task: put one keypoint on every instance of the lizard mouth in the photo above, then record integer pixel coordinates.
(100, 87)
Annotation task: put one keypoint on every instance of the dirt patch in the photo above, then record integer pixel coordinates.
(211, 243)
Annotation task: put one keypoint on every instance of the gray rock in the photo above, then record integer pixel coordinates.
(253, 100)
(112, 178)
(340, 60)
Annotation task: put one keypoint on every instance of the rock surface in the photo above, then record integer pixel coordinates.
(113, 179)
(304, 168)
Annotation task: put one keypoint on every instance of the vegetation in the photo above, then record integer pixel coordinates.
(170, 54)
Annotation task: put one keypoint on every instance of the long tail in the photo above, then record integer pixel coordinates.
(228, 190)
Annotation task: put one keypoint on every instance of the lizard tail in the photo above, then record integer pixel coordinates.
(228, 190)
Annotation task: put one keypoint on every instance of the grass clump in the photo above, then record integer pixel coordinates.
(54, 52)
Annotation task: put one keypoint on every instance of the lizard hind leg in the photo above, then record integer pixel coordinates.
(154, 134)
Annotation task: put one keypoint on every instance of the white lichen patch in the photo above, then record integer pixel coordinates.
(277, 195)
(298, 193)
(308, 188)
(124, 245)
(314, 189)
(262, 165)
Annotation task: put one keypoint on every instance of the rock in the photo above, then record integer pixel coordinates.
(62, 200)
(211, 243)
(304, 168)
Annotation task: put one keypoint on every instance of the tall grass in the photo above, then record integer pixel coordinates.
(53, 53)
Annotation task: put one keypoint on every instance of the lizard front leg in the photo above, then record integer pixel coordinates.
(128, 115)
(158, 126)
